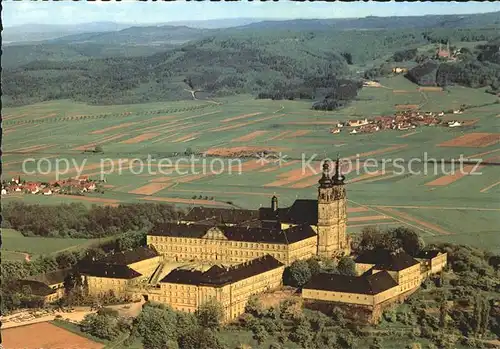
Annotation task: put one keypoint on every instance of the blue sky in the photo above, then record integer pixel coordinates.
(129, 11)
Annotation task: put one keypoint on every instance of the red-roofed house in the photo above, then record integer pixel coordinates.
(33, 188)
(83, 178)
(89, 186)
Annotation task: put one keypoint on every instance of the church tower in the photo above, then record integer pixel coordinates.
(332, 213)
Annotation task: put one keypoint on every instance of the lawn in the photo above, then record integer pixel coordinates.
(14, 244)
(62, 129)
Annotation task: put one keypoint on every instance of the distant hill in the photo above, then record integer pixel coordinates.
(39, 32)
(151, 35)
(280, 59)
(239, 61)
(217, 23)
(429, 21)
(129, 42)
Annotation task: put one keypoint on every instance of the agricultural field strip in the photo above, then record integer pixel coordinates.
(448, 179)
(438, 207)
(245, 116)
(379, 211)
(279, 135)
(179, 127)
(378, 178)
(367, 224)
(141, 138)
(238, 125)
(47, 336)
(489, 187)
(186, 137)
(150, 189)
(416, 220)
(113, 128)
(174, 119)
(165, 138)
(479, 140)
(101, 141)
(250, 136)
(186, 201)
(297, 175)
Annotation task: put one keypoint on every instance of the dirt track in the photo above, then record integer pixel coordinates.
(367, 218)
(186, 201)
(240, 117)
(405, 216)
(189, 136)
(489, 187)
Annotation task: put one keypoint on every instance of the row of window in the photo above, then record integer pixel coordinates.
(190, 241)
(341, 296)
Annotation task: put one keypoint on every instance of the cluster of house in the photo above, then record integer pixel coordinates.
(401, 121)
(66, 186)
(230, 255)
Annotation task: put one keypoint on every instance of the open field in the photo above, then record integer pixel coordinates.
(16, 246)
(45, 335)
(243, 126)
(478, 140)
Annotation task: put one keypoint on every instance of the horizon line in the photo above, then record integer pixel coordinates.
(260, 19)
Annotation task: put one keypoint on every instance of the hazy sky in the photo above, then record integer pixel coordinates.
(130, 11)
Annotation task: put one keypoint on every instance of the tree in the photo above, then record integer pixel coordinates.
(443, 313)
(314, 266)
(186, 322)
(301, 334)
(297, 274)
(409, 240)
(377, 343)
(200, 338)
(478, 314)
(338, 317)
(156, 325)
(405, 55)
(485, 316)
(254, 307)
(101, 325)
(346, 266)
(346, 340)
(65, 260)
(188, 152)
(98, 149)
(259, 334)
(210, 314)
(348, 57)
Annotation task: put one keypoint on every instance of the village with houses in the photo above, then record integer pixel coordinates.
(401, 121)
(70, 186)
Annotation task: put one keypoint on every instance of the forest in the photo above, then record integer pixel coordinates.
(279, 64)
(76, 220)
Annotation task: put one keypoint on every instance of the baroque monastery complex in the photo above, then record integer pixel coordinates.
(230, 255)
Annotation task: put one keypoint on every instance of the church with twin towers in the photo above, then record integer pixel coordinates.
(306, 228)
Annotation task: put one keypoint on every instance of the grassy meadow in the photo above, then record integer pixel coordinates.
(15, 246)
(463, 209)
